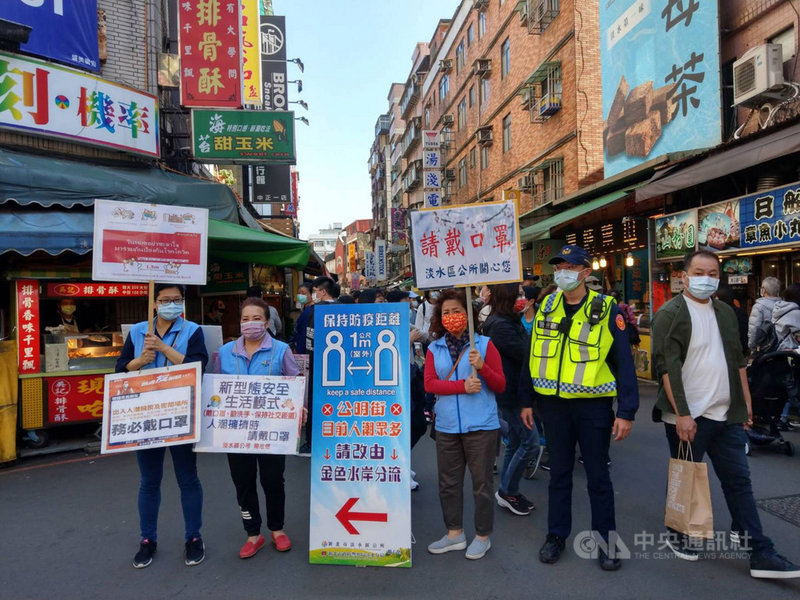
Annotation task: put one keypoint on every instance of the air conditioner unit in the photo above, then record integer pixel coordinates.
(450, 174)
(525, 182)
(528, 97)
(446, 64)
(447, 120)
(483, 66)
(484, 135)
(759, 73)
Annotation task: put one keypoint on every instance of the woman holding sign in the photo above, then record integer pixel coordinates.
(465, 382)
(258, 353)
(172, 341)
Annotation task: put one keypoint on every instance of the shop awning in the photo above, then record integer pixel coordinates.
(741, 156)
(541, 230)
(27, 229)
(27, 179)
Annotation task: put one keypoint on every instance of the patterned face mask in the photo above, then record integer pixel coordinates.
(455, 323)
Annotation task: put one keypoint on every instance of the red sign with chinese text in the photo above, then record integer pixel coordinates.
(179, 247)
(74, 398)
(94, 289)
(210, 51)
(28, 326)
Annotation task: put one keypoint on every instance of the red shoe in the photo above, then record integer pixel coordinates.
(250, 548)
(281, 542)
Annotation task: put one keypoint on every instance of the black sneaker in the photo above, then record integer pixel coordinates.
(524, 501)
(552, 548)
(544, 465)
(195, 552)
(144, 556)
(533, 464)
(773, 566)
(607, 563)
(682, 546)
(512, 503)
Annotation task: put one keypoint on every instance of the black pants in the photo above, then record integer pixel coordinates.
(587, 422)
(270, 470)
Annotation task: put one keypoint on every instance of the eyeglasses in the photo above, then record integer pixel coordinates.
(165, 301)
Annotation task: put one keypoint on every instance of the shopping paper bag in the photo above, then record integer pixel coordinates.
(688, 507)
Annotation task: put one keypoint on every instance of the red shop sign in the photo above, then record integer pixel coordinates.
(74, 398)
(211, 54)
(28, 326)
(95, 290)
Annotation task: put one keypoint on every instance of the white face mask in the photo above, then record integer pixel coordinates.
(702, 287)
(567, 280)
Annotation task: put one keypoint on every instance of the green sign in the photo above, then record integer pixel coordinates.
(676, 235)
(243, 136)
(226, 277)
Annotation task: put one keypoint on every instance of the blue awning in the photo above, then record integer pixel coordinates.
(53, 231)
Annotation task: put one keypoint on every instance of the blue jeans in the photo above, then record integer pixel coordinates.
(151, 468)
(725, 445)
(523, 445)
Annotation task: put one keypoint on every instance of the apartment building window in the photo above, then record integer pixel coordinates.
(462, 114)
(505, 58)
(484, 92)
(462, 172)
(427, 117)
(481, 25)
(471, 95)
(548, 181)
(484, 157)
(543, 96)
(470, 34)
(472, 158)
(444, 87)
(461, 58)
(507, 133)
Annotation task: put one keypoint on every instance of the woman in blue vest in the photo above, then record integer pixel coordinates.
(174, 341)
(466, 421)
(258, 353)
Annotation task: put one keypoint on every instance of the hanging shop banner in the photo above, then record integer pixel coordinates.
(466, 245)
(151, 409)
(63, 31)
(772, 217)
(272, 38)
(210, 52)
(251, 414)
(430, 139)
(432, 177)
(226, 277)
(45, 99)
(676, 235)
(251, 53)
(380, 260)
(28, 334)
(74, 399)
(149, 242)
(95, 289)
(351, 258)
(360, 464)
(241, 136)
(370, 271)
(718, 226)
(271, 184)
(399, 237)
(661, 83)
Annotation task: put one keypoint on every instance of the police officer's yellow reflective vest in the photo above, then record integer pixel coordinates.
(572, 364)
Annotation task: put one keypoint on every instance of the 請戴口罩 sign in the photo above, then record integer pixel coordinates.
(243, 136)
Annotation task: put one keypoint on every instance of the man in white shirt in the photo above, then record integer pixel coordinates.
(704, 399)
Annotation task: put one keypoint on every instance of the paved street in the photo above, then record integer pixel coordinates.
(70, 529)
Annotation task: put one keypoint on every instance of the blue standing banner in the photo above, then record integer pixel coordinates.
(63, 30)
(360, 466)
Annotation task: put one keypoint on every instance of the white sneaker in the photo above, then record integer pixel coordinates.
(414, 486)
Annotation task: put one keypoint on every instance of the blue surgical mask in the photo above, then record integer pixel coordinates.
(301, 298)
(567, 280)
(702, 287)
(171, 311)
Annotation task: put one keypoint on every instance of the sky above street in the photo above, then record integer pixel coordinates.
(352, 51)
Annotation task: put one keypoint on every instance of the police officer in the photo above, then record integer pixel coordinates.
(580, 359)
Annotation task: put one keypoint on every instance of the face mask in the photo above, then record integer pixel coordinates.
(253, 330)
(455, 323)
(315, 296)
(434, 295)
(702, 287)
(566, 280)
(302, 298)
(171, 311)
(520, 304)
(67, 310)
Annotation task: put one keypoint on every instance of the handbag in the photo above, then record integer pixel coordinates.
(688, 508)
(449, 375)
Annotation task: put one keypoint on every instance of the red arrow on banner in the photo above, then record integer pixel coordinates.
(327, 454)
(345, 516)
(394, 455)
